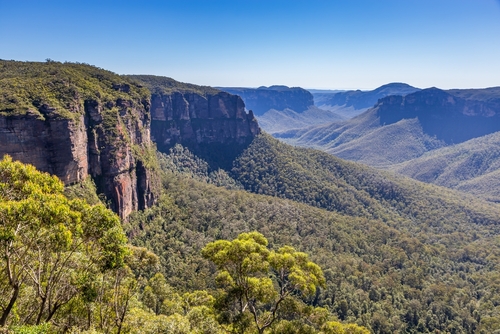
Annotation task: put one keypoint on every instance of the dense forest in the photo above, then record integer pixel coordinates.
(411, 273)
(285, 240)
(382, 277)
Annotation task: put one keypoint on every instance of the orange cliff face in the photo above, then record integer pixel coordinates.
(100, 141)
(77, 121)
(73, 149)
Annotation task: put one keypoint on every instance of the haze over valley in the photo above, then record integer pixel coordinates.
(270, 167)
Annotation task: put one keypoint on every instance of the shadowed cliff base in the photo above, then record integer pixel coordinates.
(210, 123)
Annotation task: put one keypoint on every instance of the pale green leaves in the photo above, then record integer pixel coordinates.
(259, 279)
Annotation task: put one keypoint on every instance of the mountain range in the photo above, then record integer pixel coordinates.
(399, 129)
(184, 165)
(353, 102)
(279, 108)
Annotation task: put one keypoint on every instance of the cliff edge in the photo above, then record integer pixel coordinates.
(76, 120)
(211, 123)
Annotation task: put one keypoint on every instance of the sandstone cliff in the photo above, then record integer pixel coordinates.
(75, 121)
(211, 123)
(442, 115)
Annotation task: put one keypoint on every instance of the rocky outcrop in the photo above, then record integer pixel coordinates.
(362, 99)
(73, 149)
(442, 115)
(86, 122)
(214, 126)
(116, 140)
(263, 99)
(57, 147)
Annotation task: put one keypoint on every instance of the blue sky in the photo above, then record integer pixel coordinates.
(325, 44)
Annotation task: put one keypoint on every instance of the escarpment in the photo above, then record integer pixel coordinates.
(211, 123)
(76, 121)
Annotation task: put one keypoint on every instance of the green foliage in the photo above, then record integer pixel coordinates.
(471, 167)
(181, 161)
(36, 329)
(85, 190)
(55, 89)
(244, 266)
(319, 179)
(49, 245)
(165, 85)
(411, 273)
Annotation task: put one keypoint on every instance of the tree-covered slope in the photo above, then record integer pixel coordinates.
(410, 258)
(61, 88)
(472, 167)
(320, 179)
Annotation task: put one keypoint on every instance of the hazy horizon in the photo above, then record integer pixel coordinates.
(336, 45)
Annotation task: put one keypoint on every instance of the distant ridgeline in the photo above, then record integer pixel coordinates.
(399, 256)
(76, 120)
(262, 99)
(353, 102)
(399, 129)
(280, 108)
(445, 115)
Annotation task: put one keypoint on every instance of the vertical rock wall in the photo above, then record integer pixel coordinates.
(99, 143)
(211, 125)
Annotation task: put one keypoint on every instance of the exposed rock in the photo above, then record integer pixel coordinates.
(353, 102)
(57, 146)
(210, 125)
(443, 115)
(262, 99)
(73, 135)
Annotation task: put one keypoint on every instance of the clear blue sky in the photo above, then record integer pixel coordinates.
(314, 44)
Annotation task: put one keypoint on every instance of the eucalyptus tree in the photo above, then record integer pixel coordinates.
(50, 246)
(258, 280)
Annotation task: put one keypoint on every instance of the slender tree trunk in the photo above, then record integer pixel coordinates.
(6, 312)
(52, 312)
(40, 313)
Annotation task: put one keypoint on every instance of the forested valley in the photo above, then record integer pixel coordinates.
(278, 240)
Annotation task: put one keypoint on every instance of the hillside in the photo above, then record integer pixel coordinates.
(280, 108)
(398, 255)
(319, 179)
(399, 128)
(351, 103)
(282, 120)
(472, 166)
(363, 139)
(78, 121)
(210, 122)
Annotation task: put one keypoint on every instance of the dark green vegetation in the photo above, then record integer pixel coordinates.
(472, 166)
(407, 134)
(53, 88)
(65, 267)
(351, 103)
(165, 85)
(222, 249)
(400, 256)
(57, 255)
